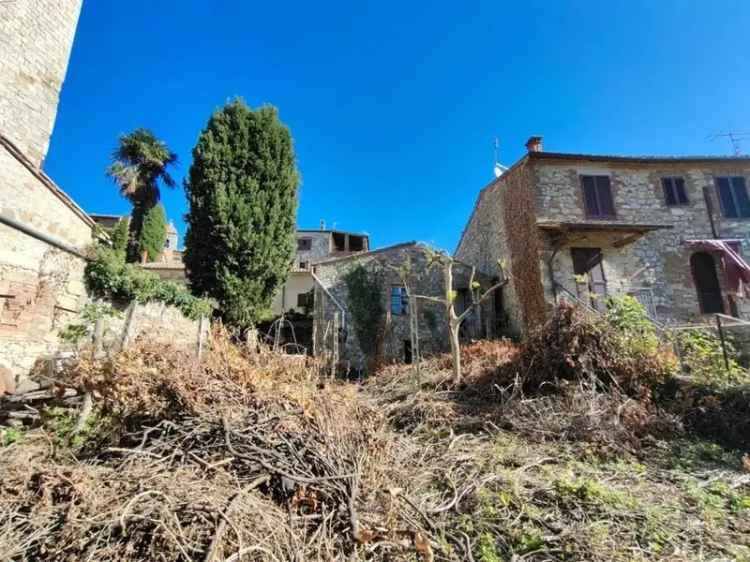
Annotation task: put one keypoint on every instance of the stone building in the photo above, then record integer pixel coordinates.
(43, 233)
(668, 230)
(313, 246)
(35, 42)
(332, 300)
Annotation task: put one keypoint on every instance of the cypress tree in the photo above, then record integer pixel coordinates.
(241, 224)
(119, 236)
(154, 232)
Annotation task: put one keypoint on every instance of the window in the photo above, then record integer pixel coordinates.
(339, 241)
(733, 197)
(306, 300)
(303, 265)
(674, 191)
(399, 300)
(597, 196)
(304, 244)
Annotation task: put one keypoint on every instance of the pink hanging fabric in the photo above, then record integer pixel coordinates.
(736, 269)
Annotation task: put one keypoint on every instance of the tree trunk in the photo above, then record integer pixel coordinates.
(455, 353)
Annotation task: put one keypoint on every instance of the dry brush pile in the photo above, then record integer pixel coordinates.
(244, 456)
(559, 449)
(553, 450)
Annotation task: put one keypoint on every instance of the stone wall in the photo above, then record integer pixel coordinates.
(41, 286)
(433, 331)
(658, 263)
(36, 37)
(320, 246)
(156, 323)
(487, 243)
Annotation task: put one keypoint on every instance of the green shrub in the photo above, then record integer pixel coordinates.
(76, 331)
(628, 316)
(703, 357)
(108, 277)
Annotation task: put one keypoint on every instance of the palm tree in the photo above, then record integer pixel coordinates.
(138, 165)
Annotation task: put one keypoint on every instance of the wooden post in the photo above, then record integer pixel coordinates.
(128, 327)
(251, 340)
(315, 335)
(98, 335)
(201, 336)
(335, 335)
(723, 343)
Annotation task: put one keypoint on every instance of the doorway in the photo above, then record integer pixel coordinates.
(591, 284)
(707, 284)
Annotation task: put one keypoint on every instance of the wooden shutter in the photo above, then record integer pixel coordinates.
(669, 194)
(739, 190)
(725, 197)
(680, 192)
(589, 196)
(604, 194)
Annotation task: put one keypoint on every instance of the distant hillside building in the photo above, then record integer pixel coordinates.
(314, 246)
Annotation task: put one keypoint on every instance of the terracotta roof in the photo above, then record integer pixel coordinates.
(329, 231)
(45, 180)
(370, 253)
(161, 265)
(105, 216)
(636, 159)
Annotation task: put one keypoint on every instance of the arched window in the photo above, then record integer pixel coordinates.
(707, 283)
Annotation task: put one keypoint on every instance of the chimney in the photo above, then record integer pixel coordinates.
(534, 144)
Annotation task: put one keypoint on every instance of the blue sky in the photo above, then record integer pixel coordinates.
(393, 106)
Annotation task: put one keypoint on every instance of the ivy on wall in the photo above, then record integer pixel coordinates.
(365, 304)
(524, 244)
(108, 276)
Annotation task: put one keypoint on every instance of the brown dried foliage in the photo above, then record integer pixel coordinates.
(241, 453)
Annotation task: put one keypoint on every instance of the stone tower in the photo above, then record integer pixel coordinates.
(36, 37)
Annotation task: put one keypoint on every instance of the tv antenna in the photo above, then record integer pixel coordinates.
(498, 168)
(735, 137)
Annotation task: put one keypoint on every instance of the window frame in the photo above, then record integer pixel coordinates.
(735, 202)
(307, 240)
(306, 300)
(403, 308)
(586, 210)
(675, 192)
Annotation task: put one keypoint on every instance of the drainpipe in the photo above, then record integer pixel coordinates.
(710, 211)
(12, 223)
(551, 272)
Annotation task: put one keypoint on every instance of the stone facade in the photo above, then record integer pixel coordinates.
(41, 285)
(331, 297)
(43, 233)
(35, 41)
(643, 246)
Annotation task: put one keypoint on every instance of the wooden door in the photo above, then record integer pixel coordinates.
(591, 283)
